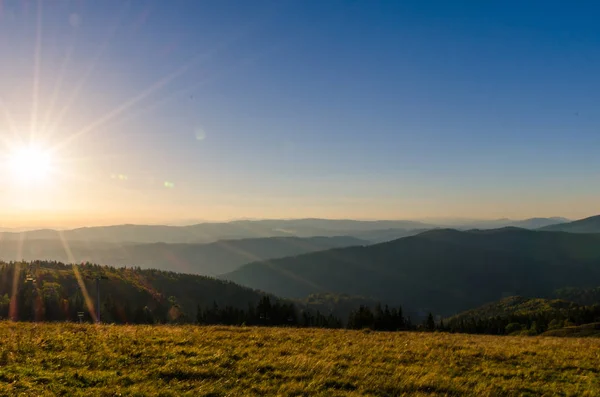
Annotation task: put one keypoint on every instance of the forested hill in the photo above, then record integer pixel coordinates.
(515, 306)
(443, 271)
(587, 225)
(582, 296)
(54, 291)
(206, 259)
(529, 316)
(536, 245)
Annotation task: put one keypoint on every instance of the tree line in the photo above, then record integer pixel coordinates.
(53, 291)
(532, 323)
(276, 313)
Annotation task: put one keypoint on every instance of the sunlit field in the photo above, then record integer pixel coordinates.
(73, 359)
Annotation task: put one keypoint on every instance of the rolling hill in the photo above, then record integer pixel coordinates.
(531, 223)
(383, 235)
(587, 225)
(580, 331)
(207, 259)
(536, 223)
(372, 231)
(517, 315)
(211, 232)
(53, 291)
(445, 271)
(518, 306)
(551, 247)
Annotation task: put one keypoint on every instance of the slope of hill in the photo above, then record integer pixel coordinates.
(518, 306)
(206, 259)
(445, 271)
(582, 296)
(55, 291)
(528, 316)
(551, 247)
(536, 223)
(531, 223)
(587, 225)
(137, 360)
(579, 331)
(211, 232)
(383, 235)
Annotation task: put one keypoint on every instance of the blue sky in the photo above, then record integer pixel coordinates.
(364, 109)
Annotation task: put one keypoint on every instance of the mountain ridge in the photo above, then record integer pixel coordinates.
(208, 259)
(443, 270)
(206, 232)
(586, 225)
(214, 231)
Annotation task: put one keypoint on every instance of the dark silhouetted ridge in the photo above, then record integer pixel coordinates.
(442, 270)
(587, 225)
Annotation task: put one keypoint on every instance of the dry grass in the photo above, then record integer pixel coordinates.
(71, 359)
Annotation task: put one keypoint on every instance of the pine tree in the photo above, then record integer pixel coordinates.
(430, 323)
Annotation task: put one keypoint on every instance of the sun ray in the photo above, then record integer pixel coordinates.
(229, 246)
(75, 94)
(57, 88)
(8, 118)
(36, 69)
(129, 103)
(165, 100)
(132, 114)
(33, 278)
(88, 73)
(285, 272)
(86, 296)
(14, 308)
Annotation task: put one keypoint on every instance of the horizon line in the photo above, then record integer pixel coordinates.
(438, 220)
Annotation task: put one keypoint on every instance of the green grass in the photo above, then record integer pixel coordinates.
(88, 360)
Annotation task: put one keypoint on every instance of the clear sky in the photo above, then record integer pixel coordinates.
(156, 111)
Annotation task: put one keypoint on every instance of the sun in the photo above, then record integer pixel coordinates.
(29, 164)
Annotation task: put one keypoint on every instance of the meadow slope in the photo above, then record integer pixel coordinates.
(73, 359)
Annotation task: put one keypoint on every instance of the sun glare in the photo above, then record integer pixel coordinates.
(29, 164)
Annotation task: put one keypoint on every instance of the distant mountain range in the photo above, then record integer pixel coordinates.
(532, 223)
(587, 225)
(207, 259)
(372, 231)
(445, 271)
(419, 266)
(211, 232)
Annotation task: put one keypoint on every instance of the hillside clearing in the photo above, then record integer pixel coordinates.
(73, 359)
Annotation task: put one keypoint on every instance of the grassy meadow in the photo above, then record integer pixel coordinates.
(108, 360)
